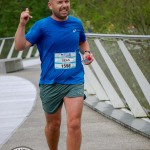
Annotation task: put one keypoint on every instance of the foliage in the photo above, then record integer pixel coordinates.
(115, 16)
(98, 16)
(10, 14)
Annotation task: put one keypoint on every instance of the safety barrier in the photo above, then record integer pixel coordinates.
(120, 73)
(7, 50)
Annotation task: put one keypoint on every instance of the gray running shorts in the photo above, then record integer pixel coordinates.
(52, 95)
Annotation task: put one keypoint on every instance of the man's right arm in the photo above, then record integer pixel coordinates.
(20, 41)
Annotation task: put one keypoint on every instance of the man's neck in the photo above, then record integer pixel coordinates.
(59, 19)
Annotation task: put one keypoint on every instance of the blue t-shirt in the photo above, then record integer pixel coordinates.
(58, 45)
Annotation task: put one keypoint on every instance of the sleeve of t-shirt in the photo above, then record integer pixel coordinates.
(34, 34)
(82, 33)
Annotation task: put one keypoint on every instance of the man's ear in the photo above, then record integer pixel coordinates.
(50, 5)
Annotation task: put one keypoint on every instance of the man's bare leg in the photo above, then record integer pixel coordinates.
(74, 108)
(52, 129)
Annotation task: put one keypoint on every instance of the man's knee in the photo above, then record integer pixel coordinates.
(53, 126)
(74, 124)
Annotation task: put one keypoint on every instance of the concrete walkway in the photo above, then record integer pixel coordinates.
(17, 97)
(99, 132)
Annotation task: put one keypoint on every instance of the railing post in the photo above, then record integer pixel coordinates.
(2, 45)
(11, 51)
(20, 54)
(30, 52)
(95, 84)
(112, 94)
(143, 83)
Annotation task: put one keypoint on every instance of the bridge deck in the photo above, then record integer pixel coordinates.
(99, 132)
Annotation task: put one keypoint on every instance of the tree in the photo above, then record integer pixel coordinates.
(98, 16)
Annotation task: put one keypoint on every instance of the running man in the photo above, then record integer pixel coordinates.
(59, 39)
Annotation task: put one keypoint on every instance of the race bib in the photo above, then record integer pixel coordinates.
(65, 60)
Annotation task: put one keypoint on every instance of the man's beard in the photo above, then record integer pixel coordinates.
(61, 17)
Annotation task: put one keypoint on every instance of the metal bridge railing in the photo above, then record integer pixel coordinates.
(119, 74)
(122, 68)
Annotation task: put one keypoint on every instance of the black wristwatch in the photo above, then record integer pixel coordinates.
(87, 51)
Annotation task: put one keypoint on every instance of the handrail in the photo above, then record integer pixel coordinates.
(120, 36)
(6, 38)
